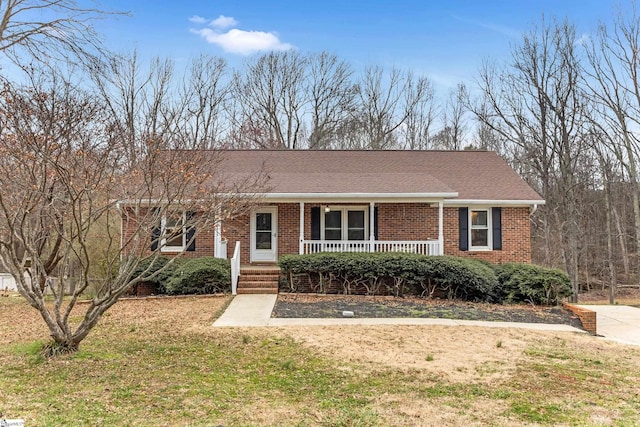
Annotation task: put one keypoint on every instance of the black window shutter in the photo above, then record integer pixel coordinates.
(191, 231)
(155, 231)
(463, 222)
(375, 222)
(496, 220)
(315, 223)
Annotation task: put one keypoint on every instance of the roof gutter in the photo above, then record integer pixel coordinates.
(324, 197)
(467, 202)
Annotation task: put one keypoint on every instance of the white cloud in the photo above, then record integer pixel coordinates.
(197, 19)
(243, 42)
(223, 22)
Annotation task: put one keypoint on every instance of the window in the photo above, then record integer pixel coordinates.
(174, 232)
(355, 225)
(345, 223)
(333, 225)
(480, 229)
(263, 230)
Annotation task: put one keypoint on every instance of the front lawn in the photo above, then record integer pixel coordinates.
(158, 362)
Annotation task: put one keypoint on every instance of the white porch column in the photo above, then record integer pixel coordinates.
(440, 228)
(301, 228)
(217, 237)
(372, 231)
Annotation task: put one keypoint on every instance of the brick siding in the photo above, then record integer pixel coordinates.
(516, 237)
(396, 221)
(587, 317)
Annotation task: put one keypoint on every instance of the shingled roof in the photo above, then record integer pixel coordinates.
(452, 175)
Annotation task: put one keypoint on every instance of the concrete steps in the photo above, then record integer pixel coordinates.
(258, 280)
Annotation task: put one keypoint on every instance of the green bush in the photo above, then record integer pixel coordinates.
(204, 275)
(395, 273)
(532, 283)
(463, 278)
(149, 266)
(398, 273)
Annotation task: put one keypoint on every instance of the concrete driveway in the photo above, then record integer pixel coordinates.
(619, 323)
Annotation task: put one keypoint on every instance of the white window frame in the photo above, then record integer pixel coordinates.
(489, 229)
(163, 241)
(345, 221)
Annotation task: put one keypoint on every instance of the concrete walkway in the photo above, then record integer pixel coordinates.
(255, 310)
(618, 323)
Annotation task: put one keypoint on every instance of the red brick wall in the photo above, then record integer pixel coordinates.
(204, 239)
(407, 221)
(516, 237)
(239, 229)
(396, 221)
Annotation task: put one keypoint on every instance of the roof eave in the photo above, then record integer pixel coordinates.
(494, 202)
(360, 197)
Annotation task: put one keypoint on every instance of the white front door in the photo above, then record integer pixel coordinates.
(264, 234)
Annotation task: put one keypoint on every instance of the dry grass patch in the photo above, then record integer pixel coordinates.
(159, 362)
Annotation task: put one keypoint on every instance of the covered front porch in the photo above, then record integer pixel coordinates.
(282, 227)
(344, 228)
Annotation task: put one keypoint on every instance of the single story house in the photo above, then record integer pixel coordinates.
(464, 203)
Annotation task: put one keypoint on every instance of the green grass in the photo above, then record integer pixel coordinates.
(158, 374)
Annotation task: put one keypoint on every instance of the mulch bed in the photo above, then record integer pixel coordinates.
(332, 306)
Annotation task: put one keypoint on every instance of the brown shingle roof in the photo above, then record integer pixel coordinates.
(473, 175)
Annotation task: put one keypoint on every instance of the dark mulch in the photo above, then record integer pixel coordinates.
(311, 306)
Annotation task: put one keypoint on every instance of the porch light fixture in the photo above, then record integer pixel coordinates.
(327, 209)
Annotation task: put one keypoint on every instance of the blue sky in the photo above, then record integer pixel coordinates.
(444, 40)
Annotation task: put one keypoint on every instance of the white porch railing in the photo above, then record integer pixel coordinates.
(424, 247)
(235, 269)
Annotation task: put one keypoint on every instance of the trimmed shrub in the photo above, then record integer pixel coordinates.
(394, 273)
(195, 276)
(149, 266)
(532, 283)
(458, 277)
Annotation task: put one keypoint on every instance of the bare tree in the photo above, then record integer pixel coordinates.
(385, 101)
(538, 106)
(271, 97)
(62, 172)
(204, 94)
(145, 102)
(417, 128)
(614, 83)
(46, 29)
(454, 124)
(331, 98)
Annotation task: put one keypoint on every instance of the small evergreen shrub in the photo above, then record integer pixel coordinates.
(148, 266)
(195, 276)
(463, 278)
(397, 273)
(394, 273)
(532, 283)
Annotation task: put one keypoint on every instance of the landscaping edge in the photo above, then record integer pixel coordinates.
(586, 316)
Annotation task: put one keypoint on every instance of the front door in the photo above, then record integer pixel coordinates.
(264, 234)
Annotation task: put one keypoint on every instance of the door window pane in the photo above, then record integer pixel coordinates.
(264, 227)
(263, 240)
(263, 221)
